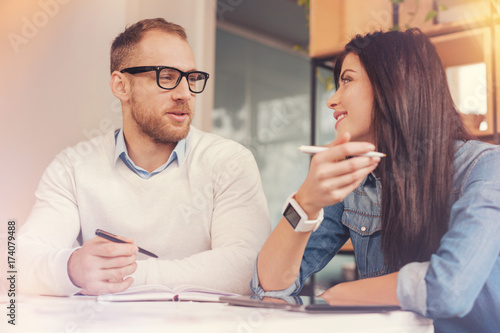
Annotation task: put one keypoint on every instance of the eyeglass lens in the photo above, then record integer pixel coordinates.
(169, 78)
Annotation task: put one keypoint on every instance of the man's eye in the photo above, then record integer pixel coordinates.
(194, 78)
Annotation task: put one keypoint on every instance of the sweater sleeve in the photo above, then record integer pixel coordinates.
(239, 227)
(47, 238)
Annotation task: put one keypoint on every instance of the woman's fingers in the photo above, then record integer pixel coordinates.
(332, 177)
(342, 151)
(350, 166)
(336, 189)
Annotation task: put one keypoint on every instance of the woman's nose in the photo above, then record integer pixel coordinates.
(333, 101)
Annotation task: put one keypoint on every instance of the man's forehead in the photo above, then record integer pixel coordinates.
(165, 48)
(158, 40)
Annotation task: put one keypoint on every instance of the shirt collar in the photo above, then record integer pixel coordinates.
(121, 152)
(372, 187)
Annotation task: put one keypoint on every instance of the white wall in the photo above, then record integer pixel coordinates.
(54, 74)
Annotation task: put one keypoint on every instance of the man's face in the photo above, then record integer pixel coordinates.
(162, 115)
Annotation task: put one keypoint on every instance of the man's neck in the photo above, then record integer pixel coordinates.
(145, 152)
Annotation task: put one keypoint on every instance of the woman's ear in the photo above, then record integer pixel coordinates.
(120, 86)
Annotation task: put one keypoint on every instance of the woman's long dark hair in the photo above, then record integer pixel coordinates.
(416, 123)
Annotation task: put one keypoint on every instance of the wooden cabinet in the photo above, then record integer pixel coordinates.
(496, 49)
(334, 22)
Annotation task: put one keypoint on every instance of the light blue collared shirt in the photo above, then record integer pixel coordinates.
(121, 152)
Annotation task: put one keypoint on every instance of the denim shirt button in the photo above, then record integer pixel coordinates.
(363, 228)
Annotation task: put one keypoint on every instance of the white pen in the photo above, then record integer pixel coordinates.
(317, 149)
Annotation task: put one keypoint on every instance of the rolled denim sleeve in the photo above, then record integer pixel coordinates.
(451, 284)
(411, 287)
(283, 294)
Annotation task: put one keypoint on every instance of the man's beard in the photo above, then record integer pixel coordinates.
(152, 124)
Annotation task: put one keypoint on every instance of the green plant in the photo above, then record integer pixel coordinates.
(304, 3)
(430, 15)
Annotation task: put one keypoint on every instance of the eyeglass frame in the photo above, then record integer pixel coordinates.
(158, 69)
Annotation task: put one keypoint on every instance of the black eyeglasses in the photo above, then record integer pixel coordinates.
(169, 77)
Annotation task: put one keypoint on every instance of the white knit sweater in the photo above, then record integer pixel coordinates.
(206, 218)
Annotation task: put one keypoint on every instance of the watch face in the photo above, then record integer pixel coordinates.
(292, 216)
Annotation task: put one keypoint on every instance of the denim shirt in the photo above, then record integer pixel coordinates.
(459, 288)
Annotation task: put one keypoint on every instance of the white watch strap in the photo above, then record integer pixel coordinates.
(309, 225)
(304, 225)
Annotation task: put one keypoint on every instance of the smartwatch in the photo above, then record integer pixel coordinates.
(297, 217)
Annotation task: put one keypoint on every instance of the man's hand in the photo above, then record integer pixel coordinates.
(100, 266)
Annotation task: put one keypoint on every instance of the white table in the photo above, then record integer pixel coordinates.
(86, 314)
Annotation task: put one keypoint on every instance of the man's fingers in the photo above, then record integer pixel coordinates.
(106, 287)
(116, 262)
(112, 275)
(111, 249)
(117, 274)
(116, 287)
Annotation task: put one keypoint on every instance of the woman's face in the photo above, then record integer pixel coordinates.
(353, 101)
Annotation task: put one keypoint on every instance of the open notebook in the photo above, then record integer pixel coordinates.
(153, 292)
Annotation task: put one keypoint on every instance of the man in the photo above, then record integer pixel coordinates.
(192, 198)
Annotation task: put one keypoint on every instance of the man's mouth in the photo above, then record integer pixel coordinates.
(178, 116)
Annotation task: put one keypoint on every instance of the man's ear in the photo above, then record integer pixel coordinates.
(120, 86)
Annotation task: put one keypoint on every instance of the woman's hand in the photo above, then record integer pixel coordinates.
(332, 177)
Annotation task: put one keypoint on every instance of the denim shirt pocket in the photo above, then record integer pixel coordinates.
(362, 217)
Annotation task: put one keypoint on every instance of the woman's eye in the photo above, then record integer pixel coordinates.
(346, 80)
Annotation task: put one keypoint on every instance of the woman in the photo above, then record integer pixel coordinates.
(424, 220)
